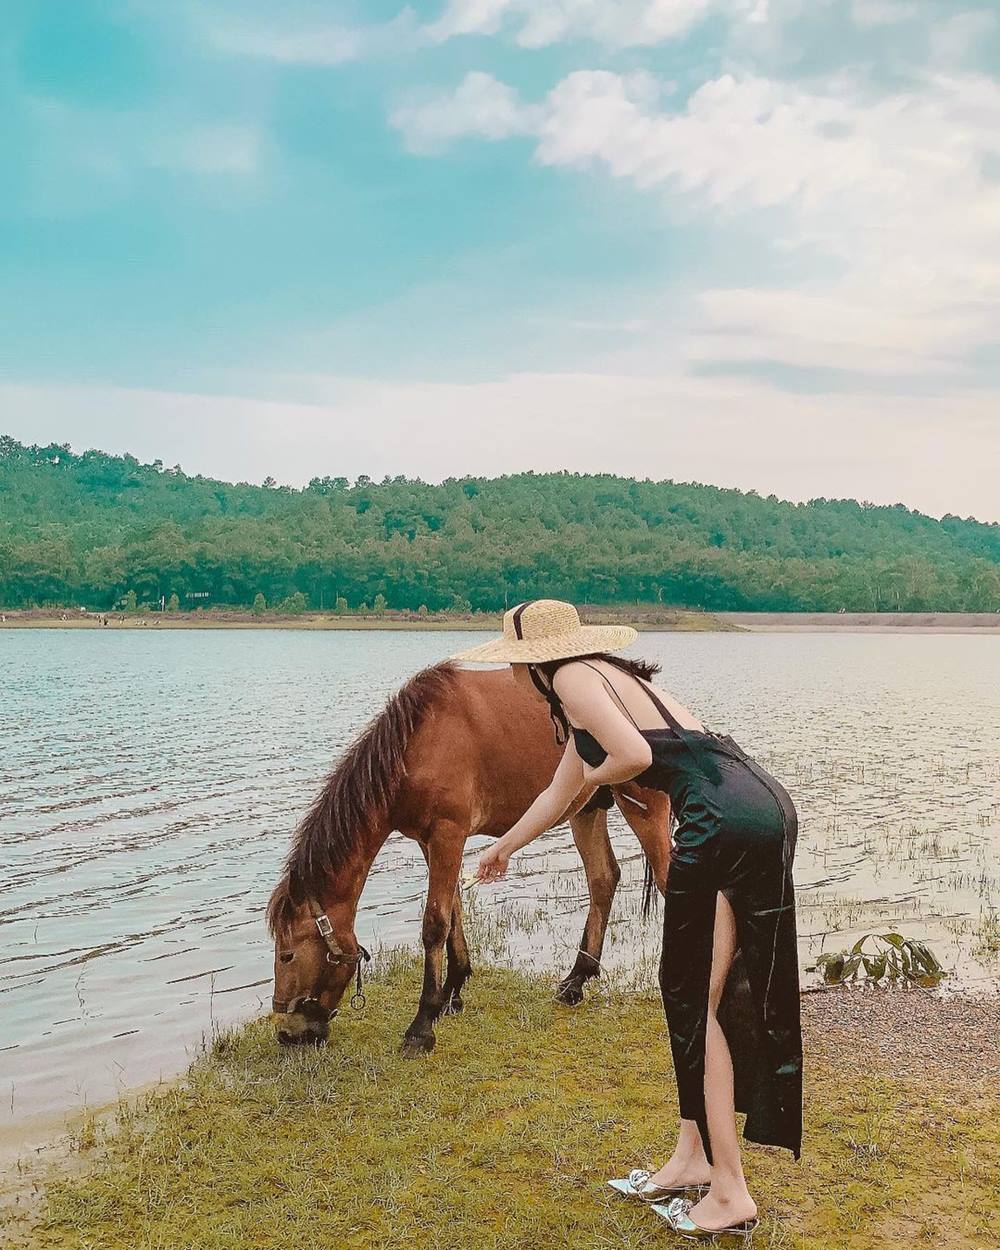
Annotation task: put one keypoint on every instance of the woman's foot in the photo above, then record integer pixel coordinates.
(683, 1170)
(716, 1211)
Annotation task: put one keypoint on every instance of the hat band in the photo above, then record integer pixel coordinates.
(516, 620)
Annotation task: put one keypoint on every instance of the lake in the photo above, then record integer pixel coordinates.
(149, 781)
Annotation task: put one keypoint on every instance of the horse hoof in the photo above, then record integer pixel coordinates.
(570, 993)
(418, 1044)
(453, 1006)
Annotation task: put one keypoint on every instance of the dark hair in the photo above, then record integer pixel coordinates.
(645, 669)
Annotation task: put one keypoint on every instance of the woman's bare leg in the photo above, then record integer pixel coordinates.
(688, 1165)
(728, 1200)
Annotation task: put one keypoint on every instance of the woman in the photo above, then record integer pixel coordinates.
(729, 912)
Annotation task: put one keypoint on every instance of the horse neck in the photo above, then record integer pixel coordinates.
(344, 887)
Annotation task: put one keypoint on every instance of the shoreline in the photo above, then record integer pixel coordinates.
(644, 619)
(890, 1144)
(866, 622)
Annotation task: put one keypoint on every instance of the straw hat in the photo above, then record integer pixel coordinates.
(547, 629)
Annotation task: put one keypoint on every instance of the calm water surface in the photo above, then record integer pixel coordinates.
(149, 782)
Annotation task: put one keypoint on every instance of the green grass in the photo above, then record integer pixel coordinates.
(502, 1140)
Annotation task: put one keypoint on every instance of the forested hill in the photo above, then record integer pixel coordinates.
(89, 528)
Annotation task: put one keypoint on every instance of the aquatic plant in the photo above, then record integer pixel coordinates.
(881, 956)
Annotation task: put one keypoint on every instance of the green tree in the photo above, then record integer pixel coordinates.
(83, 528)
(173, 603)
(296, 603)
(131, 603)
(380, 605)
(259, 604)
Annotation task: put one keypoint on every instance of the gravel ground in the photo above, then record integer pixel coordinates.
(908, 1033)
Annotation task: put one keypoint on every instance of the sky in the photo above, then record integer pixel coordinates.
(754, 243)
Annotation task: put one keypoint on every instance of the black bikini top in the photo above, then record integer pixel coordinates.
(694, 739)
(657, 702)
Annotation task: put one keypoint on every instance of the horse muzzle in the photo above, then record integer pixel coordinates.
(303, 1022)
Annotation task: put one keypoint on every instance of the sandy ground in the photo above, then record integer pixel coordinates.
(866, 622)
(642, 618)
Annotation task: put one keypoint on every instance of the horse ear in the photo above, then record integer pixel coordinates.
(280, 909)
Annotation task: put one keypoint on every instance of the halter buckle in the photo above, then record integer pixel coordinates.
(324, 925)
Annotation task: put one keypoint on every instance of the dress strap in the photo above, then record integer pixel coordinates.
(667, 716)
(662, 708)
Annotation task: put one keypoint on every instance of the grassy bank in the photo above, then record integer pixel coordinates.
(503, 1137)
(643, 618)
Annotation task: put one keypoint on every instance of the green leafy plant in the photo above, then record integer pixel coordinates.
(880, 957)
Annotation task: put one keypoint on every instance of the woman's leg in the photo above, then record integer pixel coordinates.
(685, 976)
(728, 1200)
(689, 1165)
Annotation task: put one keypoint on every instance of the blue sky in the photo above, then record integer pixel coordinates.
(750, 242)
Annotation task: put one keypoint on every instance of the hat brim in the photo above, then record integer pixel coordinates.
(582, 641)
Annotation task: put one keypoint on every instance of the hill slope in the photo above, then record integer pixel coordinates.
(87, 528)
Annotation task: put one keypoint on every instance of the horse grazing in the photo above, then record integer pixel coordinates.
(455, 752)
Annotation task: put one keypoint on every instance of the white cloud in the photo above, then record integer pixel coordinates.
(212, 149)
(624, 23)
(297, 42)
(480, 106)
(470, 17)
(953, 39)
(869, 13)
(727, 431)
(885, 196)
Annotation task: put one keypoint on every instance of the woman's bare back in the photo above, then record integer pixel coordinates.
(642, 708)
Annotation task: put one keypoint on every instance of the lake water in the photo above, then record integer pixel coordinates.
(149, 782)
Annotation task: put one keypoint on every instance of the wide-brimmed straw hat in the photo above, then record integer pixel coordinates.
(547, 629)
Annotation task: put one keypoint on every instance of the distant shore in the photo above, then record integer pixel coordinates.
(866, 622)
(644, 618)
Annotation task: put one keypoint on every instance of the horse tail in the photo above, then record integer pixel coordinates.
(649, 890)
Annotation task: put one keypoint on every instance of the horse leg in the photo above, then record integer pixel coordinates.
(647, 813)
(590, 833)
(444, 858)
(459, 964)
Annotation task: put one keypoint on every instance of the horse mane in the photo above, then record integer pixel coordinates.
(359, 791)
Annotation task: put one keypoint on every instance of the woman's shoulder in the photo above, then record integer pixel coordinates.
(576, 675)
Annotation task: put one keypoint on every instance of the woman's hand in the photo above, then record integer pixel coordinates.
(493, 863)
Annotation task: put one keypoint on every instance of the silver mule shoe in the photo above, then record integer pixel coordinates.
(638, 1185)
(677, 1215)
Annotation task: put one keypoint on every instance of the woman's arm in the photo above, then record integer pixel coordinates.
(565, 785)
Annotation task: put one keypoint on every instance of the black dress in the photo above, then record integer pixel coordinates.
(735, 834)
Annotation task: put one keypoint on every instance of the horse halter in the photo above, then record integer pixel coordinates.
(334, 955)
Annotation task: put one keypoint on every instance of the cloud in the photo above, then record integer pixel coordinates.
(869, 13)
(307, 42)
(882, 206)
(480, 106)
(624, 24)
(301, 40)
(225, 148)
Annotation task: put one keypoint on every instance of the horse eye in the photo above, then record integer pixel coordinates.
(286, 957)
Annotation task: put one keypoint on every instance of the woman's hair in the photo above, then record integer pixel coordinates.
(645, 669)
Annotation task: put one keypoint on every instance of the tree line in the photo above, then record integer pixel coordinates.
(94, 530)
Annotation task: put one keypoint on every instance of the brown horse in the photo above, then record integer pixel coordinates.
(456, 752)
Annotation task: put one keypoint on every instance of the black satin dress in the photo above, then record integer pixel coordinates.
(735, 834)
